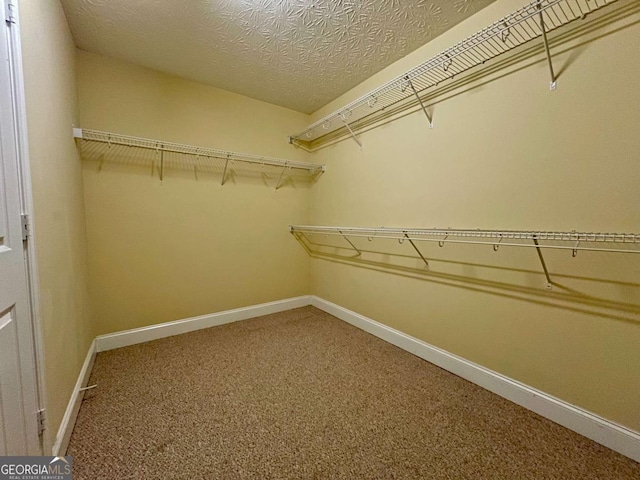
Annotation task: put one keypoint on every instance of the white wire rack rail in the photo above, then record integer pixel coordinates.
(528, 23)
(229, 158)
(573, 241)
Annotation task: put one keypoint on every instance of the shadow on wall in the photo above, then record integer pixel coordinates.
(573, 39)
(578, 293)
(138, 161)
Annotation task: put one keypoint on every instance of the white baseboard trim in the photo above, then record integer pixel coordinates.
(601, 430)
(168, 329)
(71, 413)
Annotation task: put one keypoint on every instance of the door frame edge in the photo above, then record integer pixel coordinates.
(26, 194)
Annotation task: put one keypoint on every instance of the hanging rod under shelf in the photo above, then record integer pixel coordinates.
(161, 146)
(529, 22)
(555, 240)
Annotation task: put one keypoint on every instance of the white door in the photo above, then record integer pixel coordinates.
(18, 388)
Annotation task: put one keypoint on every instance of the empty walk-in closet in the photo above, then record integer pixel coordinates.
(320, 239)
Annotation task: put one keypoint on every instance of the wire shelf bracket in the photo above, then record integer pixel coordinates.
(532, 21)
(424, 109)
(224, 172)
(406, 235)
(353, 135)
(540, 240)
(358, 252)
(542, 262)
(161, 148)
(553, 84)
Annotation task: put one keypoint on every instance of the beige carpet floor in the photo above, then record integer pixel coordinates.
(301, 395)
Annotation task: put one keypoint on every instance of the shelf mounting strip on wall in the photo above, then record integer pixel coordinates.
(574, 241)
(227, 157)
(529, 22)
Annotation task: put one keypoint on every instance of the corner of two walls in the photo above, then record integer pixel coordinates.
(48, 55)
(505, 153)
(186, 246)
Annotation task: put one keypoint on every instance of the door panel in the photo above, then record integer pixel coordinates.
(12, 417)
(18, 387)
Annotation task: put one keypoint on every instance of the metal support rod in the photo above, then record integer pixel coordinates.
(424, 109)
(350, 243)
(544, 265)
(417, 250)
(224, 172)
(351, 132)
(281, 175)
(161, 165)
(553, 84)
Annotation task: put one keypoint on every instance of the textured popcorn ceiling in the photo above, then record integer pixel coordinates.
(300, 54)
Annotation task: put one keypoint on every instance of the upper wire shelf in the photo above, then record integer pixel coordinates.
(529, 22)
(227, 158)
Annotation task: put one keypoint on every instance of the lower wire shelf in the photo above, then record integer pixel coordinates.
(574, 241)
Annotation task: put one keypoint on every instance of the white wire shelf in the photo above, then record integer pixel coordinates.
(574, 241)
(226, 157)
(559, 240)
(528, 23)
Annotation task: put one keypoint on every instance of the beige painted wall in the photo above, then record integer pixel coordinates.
(505, 154)
(49, 70)
(187, 246)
